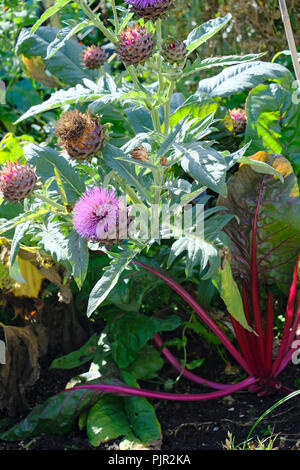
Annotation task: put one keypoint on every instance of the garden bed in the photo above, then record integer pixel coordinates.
(185, 425)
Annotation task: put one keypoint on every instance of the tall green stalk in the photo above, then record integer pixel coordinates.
(98, 23)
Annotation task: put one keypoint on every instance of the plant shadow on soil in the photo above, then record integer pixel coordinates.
(202, 425)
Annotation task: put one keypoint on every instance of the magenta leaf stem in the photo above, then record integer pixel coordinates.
(254, 285)
(138, 392)
(202, 314)
(188, 375)
(285, 341)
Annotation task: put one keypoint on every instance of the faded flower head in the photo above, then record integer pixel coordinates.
(135, 45)
(239, 117)
(150, 9)
(97, 216)
(79, 134)
(93, 57)
(140, 153)
(16, 181)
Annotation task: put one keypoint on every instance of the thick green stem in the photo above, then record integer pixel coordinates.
(155, 119)
(133, 76)
(115, 13)
(89, 13)
(52, 203)
(159, 61)
(167, 108)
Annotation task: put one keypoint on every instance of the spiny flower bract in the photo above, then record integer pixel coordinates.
(93, 57)
(135, 45)
(150, 9)
(174, 51)
(16, 181)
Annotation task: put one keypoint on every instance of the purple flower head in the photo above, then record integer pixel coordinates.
(150, 9)
(145, 3)
(96, 214)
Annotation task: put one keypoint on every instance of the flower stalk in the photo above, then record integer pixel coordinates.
(98, 23)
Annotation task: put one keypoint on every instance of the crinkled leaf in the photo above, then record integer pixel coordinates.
(206, 165)
(130, 332)
(78, 357)
(273, 122)
(146, 364)
(63, 36)
(57, 415)
(132, 418)
(278, 221)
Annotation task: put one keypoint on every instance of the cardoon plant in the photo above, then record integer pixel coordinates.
(158, 149)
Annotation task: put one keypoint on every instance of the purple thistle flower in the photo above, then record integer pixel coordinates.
(150, 9)
(96, 214)
(145, 3)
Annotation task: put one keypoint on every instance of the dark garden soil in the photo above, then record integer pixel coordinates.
(186, 425)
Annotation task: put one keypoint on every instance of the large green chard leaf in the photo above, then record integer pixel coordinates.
(130, 332)
(278, 221)
(57, 415)
(132, 418)
(274, 122)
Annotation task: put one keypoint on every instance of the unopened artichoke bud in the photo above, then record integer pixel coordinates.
(135, 45)
(140, 153)
(17, 181)
(174, 52)
(79, 134)
(150, 9)
(93, 57)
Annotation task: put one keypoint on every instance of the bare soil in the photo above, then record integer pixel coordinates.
(185, 425)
